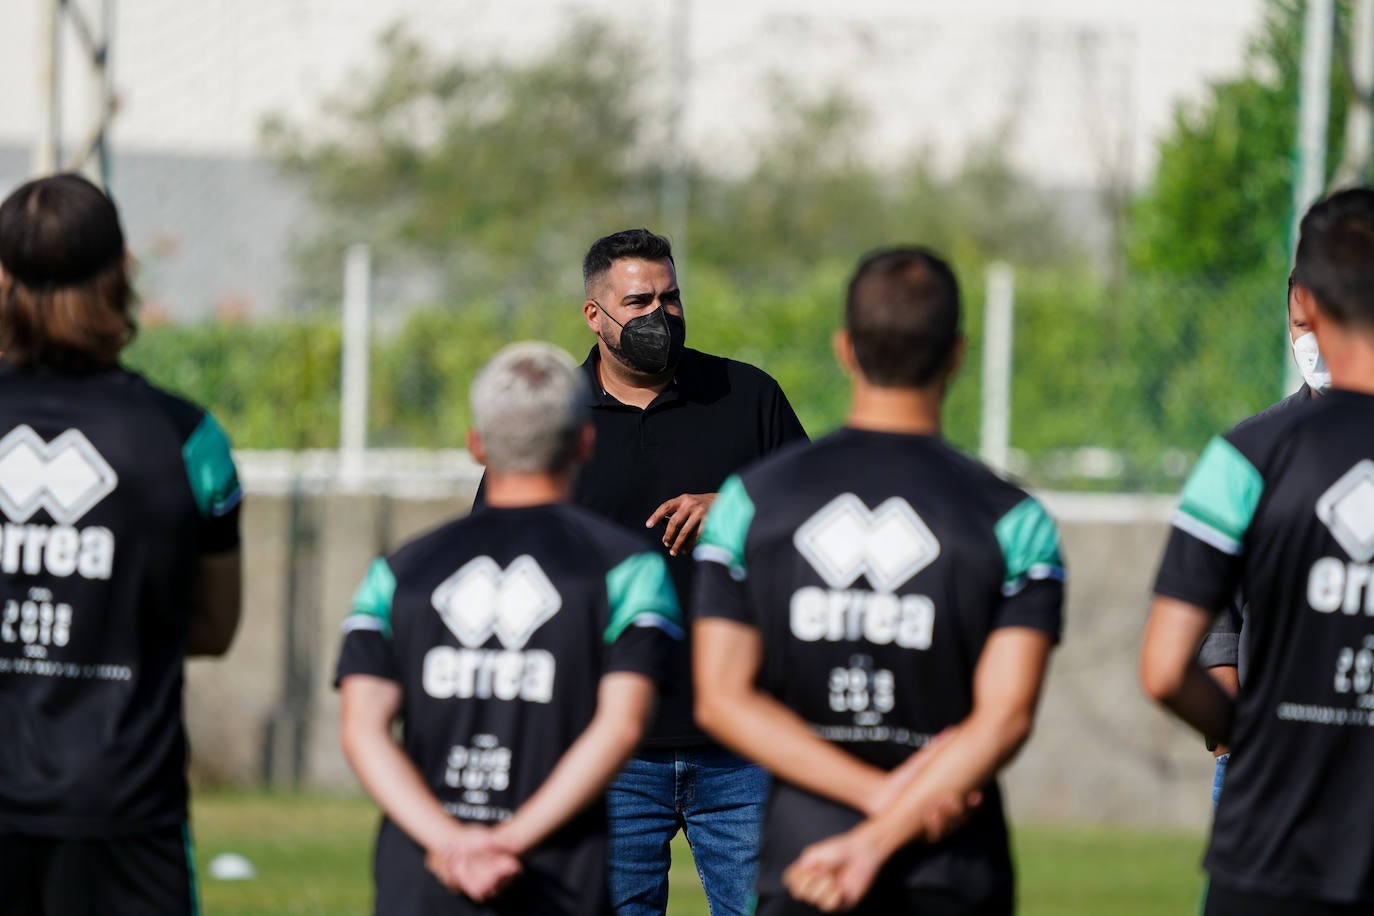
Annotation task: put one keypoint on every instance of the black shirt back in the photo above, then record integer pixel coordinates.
(874, 566)
(498, 627)
(110, 489)
(1283, 508)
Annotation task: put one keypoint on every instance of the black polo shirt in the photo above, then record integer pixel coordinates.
(717, 416)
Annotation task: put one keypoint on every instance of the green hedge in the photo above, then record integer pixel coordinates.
(1148, 371)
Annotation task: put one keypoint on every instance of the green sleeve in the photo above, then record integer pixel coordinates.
(372, 602)
(1220, 497)
(641, 594)
(210, 469)
(727, 527)
(1030, 546)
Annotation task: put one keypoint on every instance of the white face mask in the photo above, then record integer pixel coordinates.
(1310, 362)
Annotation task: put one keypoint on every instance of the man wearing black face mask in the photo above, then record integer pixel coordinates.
(671, 424)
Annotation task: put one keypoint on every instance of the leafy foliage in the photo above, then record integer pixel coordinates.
(1221, 200)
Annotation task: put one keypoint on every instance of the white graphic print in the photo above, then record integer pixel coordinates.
(889, 545)
(66, 476)
(1347, 509)
(480, 600)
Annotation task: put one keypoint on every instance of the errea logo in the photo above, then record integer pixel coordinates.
(482, 600)
(1347, 510)
(888, 545)
(66, 476)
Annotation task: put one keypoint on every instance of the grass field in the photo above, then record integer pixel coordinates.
(312, 856)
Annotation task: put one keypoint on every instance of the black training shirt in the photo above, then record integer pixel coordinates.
(874, 566)
(498, 628)
(1283, 509)
(110, 491)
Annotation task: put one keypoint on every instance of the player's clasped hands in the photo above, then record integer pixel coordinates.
(475, 863)
(835, 874)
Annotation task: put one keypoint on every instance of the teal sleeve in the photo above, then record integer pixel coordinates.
(372, 602)
(641, 594)
(1220, 497)
(1030, 546)
(210, 469)
(727, 527)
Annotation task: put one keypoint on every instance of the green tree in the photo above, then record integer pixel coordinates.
(1220, 202)
(490, 175)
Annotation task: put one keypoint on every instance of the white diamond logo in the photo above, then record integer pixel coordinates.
(66, 476)
(481, 600)
(1347, 509)
(888, 545)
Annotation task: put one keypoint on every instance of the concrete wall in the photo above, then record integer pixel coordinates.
(1101, 753)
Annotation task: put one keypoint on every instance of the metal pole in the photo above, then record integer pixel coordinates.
(44, 156)
(1359, 117)
(104, 94)
(995, 435)
(1314, 104)
(356, 328)
(676, 190)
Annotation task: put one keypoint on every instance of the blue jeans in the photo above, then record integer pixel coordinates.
(1218, 779)
(715, 797)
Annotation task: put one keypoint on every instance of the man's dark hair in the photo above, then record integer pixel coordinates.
(1335, 259)
(629, 243)
(902, 315)
(65, 295)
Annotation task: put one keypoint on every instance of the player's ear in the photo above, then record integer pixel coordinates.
(843, 345)
(956, 356)
(476, 449)
(591, 311)
(953, 363)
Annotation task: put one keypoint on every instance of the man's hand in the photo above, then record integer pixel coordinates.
(685, 515)
(834, 875)
(475, 862)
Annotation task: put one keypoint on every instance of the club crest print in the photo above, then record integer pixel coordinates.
(888, 545)
(481, 600)
(66, 476)
(1347, 509)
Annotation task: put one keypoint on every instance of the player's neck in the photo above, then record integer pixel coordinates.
(1351, 362)
(515, 491)
(625, 385)
(895, 410)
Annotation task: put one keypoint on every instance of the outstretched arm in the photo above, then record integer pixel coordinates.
(726, 656)
(835, 874)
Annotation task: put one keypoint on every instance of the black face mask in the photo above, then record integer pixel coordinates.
(651, 343)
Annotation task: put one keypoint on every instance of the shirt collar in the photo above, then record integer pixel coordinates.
(602, 398)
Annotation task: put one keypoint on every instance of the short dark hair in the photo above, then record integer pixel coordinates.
(1335, 260)
(65, 296)
(902, 315)
(629, 243)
